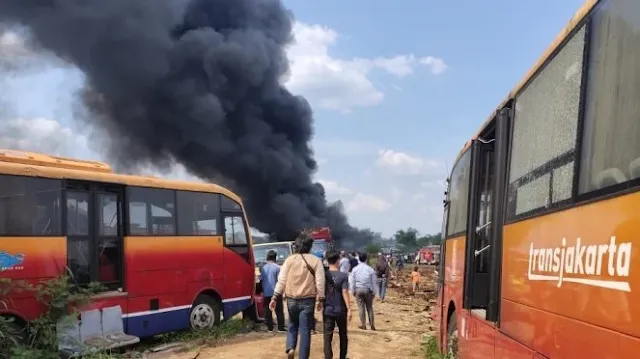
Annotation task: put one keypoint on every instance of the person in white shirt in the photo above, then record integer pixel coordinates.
(344, 265)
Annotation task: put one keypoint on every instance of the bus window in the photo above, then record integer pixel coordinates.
(29, 206)
(77, 214)
(151, 211)
(198, 213)
(235, 233)
(544, 133)
(227, 204)
(108, 241)
(459, 196)
(611, 138)
(107, 214)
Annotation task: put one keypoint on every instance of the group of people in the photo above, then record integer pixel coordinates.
(307, 286)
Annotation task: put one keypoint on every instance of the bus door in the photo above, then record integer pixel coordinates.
(94, 232)
(479, 334)
(238, 264)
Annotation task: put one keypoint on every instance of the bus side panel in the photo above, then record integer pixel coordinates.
(556, 336)
(157, 314)
(163, 276)
(479, 337)
(628, 347)
(453, 284)
(239, 283)
(507, 348)
(570, 274)
(156, 265)
(31, 260)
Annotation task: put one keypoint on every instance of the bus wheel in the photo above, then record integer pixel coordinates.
(205, 313)
(452, 337)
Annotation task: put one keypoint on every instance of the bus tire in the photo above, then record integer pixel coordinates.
(452, 337)
(205, 313)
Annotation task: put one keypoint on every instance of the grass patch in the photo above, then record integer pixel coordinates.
(224, 330)
(430, 349)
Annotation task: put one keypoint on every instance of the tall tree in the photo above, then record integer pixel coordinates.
(407, 241)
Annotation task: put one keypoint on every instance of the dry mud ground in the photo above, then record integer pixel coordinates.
(402, 321)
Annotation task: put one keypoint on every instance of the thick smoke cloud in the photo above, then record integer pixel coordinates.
(196, 82)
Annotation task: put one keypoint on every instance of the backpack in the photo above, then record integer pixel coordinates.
(333, 301)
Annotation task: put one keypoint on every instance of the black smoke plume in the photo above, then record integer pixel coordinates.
(196, 82)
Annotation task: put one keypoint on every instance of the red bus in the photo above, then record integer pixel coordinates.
(172, 254)
(322, 234)
(541, 212)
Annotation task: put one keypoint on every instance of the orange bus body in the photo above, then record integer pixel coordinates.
(156, 269)
(565, 281)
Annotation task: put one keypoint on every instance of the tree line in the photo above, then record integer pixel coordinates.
(410, 240)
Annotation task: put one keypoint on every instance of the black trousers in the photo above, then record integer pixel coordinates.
(279, 313)
(330, 322)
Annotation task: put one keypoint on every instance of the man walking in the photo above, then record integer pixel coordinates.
(383, 271)
(269, 277)
(345, 267)
(337, 306)
(302, 280)
(363, 287)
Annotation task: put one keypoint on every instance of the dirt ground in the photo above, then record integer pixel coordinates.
(402, 321)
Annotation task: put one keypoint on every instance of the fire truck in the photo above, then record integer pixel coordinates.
(428, 255)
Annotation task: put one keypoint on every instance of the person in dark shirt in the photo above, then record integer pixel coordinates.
(353, 261)
(383, 271)
(337, 306)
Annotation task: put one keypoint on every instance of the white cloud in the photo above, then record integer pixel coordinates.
(335, 147)
(355, 202)
(52, 138)
(342, 84)
(40, 135)
(436, 65)
(396, 194)
(403, 163)
(366, 203)
(439, 183)
(332, 188)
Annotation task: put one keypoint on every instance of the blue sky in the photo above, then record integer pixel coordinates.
(396, 87)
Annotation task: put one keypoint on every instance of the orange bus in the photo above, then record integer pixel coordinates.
(171, 255)
(543, 206)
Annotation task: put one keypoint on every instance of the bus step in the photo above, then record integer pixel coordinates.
(97, 330)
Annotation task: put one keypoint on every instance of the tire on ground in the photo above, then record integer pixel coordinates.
(205, 313)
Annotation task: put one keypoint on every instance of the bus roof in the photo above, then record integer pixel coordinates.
(33, 164)
(549, 52)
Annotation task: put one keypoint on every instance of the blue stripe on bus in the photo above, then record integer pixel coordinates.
(149, 323)
(233, 306)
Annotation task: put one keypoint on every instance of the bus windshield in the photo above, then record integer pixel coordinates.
(283, 250)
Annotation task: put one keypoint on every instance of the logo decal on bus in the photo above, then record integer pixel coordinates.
(11, 262)
(576, 263)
